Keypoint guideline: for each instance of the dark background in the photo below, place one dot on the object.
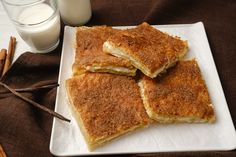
(25, 131)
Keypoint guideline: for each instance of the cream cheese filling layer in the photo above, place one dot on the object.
(118, 52)
(118, 69)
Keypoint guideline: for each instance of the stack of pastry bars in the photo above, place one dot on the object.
(108, 99)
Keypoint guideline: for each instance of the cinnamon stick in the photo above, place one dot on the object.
(33, 89)
(2, 153)
(3, 55)
(10, 54)
(37, 105)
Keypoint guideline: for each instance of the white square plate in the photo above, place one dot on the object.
(66, 138)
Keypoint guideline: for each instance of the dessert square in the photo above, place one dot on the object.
(89, 56)
(147, 48)
(105, 106)
(180, 95)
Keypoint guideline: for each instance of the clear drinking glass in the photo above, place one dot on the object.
(37, 22)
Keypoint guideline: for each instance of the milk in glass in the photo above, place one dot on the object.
(42, 29)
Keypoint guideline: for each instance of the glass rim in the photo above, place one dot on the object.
(55, 11)
(26, 4)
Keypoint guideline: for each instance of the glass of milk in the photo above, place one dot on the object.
(37, 22)
(75, 12)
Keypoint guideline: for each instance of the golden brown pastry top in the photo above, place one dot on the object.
(89, 41)
(179, 92)
(108, 104)
(149, 46)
